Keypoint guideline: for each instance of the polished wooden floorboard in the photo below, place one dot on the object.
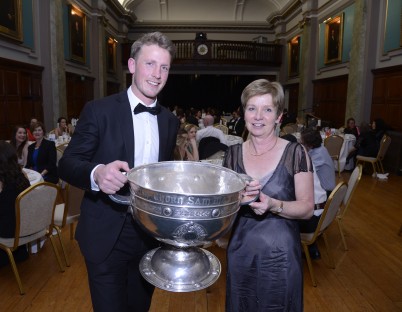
(367, 277)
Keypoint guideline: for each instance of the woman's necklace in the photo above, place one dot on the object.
(276, 140)
(37, 144)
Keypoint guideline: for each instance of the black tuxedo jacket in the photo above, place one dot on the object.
(104, 133)
(47, 158)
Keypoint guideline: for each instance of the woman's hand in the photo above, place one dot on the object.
(251, 192)
(262, 206)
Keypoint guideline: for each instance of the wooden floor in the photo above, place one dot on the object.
(368, 277)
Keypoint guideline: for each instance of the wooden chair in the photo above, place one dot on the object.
(352, 185)
(62, 147)
(224, 129)
(34, 219)
(334, 144)
(327, 217)
(68, 213)
(376, 162)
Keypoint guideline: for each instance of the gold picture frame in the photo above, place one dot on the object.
(294, 56)
(333, 39)
(77, 29)
(111, 44)
(11, 19)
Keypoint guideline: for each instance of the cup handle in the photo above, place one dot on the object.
(247, 178)
(252, 200)
(120, 199)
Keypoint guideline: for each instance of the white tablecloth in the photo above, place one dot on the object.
(62, 140)
(348, 143)
(33, 176)
(233, 139)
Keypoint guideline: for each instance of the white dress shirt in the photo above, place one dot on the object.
(146, 134)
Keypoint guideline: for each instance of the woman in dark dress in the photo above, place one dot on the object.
(12, 183)
(264, 253)
(351, 127)
(42, 155)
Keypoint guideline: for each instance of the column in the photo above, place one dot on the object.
(356, 80)
(57, 70)
(308, 59)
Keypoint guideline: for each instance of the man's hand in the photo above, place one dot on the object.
(110, 178)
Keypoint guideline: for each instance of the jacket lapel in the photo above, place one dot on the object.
(163, 130)
(126, 126)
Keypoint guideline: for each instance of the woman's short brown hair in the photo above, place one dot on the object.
(37, 125)
(262, 87)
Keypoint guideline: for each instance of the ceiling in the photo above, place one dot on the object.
(231, 12)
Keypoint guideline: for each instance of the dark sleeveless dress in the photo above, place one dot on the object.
(264, 253)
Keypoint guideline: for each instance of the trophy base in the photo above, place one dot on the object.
(180, 269)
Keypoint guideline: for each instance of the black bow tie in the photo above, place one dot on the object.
(141, 108)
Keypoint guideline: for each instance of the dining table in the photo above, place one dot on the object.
(33, 176)
(349, 141)
(233, 139)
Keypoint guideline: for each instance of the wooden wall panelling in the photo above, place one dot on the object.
(329, 101)
(387, 96)
(80, 90)
(31, 96)
(20, 94)
(293, 106)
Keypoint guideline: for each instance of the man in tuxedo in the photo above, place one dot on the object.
(114, 134)
(236, 124)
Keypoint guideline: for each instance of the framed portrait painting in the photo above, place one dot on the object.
(111, 54)
(77, 28)
(333, 39)
(294, 56)
(11, 19)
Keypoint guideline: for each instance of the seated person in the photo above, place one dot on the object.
(192, 116)
(366, 144)
(210, 130)
(186, 146)
(29, 129)
(287, 118)
(20, 142)
(379, 128)
(351, 128)
(324, 181)
(62, 127)
(42, 155)
(12, 183)
(236, 124)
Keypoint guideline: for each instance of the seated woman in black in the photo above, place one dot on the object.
(379, 128)
(367, 143)
(12, 183)
(42, 155)
(351, 127)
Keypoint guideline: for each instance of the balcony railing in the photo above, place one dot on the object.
(222, 52)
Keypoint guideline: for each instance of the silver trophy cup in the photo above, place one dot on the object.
(184, 205)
